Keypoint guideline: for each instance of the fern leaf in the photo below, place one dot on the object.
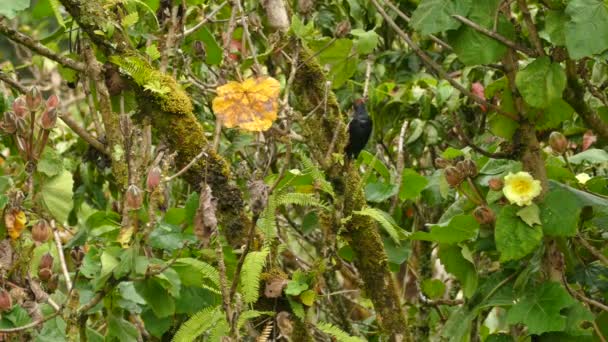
(317, 175)
(337, 333)
(198, 324)
(207, 271)
(251, 314)
(265, 334)
(267, 222)
(152, 52)
(297, 308)
(55, 5)
(386, 222)
(220, 330)
(250, 275)
(136, 68)
(130, 19)
(307, 200)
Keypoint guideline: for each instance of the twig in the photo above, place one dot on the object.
(583, 298)
(494, 35)
(601, 257)
(407, 20)
(37, 47)
(226, 298)
(64, 266)
(368, 75)
(81, 132)
(436, 67)
(200, 24)
(523, 6)
(247, 36)
(30, 325)
(12, 83)
(400, 162)
(182, 171)
(465, 139)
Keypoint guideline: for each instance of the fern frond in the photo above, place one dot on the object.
(307, 200)
(152, 52)
(265, 334)
(251, 314)
(337, 333)
(220, 330)
(207, 271)
(250, 274)
(297, 308)
(136, 68)
(318, 176)
(386, 222)
(130, 19)
(267, 222)
(198, 324)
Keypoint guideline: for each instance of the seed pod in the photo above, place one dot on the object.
(20, 107)
(77, 254)
(9, 123)
(45, 274)
(52, 284)
(48, 118)
(453, 175)
(484, 215)
(558, 142)
(442, 163)
(153, 179)
(496, 184)
(33, 98)
(305, 6)
(134, 197)
(52, 102)
(46, 261)
(41, 231)
(470, 168)
(342, 29)
(6, 302)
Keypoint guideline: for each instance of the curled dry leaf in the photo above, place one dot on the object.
(205, 221)
(14, 220)
(251, 105)
(258, 192)
(274, 287)
(284, 323)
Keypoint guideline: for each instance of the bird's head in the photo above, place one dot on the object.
(360, 110)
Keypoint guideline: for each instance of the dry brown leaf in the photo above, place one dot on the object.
(250, 105)
(14, 220)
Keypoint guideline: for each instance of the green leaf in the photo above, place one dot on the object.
(213, 50)
(451, 153)
(308, 297)
(298, 283)
(167, 236)
(152, 52)
(541, 82)
(338, 56)
(121, 330)
(473, 47)
(198, 324)
(591, 156)
(514, 238)
(52, 331)
(587, 30)
(56, 195)
(157, 297)
(250, 275)
(412, 184)
(10, 8)
(337, 333)
(193, 272)
(386, 222)
(378, 192)
(434, 16)
(433, 288)
(460, 228)
(154, 325)
(554, 115)
(130, 19)
(452, 258)
(366, 41)
(560, 212)
(51, 164)
(540, 308)
(530, 215)
(576, 316)
(555, 30)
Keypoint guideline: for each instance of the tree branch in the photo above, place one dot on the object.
(523, 6)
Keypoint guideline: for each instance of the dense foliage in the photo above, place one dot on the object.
(176, 170)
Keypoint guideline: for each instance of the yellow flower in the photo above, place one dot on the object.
(521, 188)
(583, 178)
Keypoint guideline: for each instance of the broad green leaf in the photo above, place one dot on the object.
(412, 184)
(455, 263)
(51, 164)
(366, 41)
(298, 284)
(592, 156)
(530, 215)
(375, 163)
(338, 56)
(308, 297)
(379, 191)
(541, 82)
(451, 153)
(459, 228)
(434, 16)
(540, 307)
(557, 112)
(514, 238)
(167, 236)
(433, 288)
(213, 51)
(121, 330)
(576, 316)
(386, 222)
(473, 47)
(554, 31)
(154, 325)
(157, 297)
(10, 8)
(56, 195)
(559, 213)
(52, 331)
(587, 30)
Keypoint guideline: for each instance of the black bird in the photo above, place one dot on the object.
(359, 130)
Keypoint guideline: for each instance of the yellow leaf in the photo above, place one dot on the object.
(15, 220)
(125, 235)
(250, 105)
(308, 297)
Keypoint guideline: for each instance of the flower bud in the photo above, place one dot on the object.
(45, 274)
(19, 107)
(153, 179)
(9, 123)
(77, 254)
(33, 98)
(6, 302)
(484, 215)
(470, 168)
(48, 118)
(134, 197)
(52, 102)
(496, 184)
(558, 142)
(52, 284)
(46, 261)
(41, 231)
(453, 175)
(441, 163)
(342, 29)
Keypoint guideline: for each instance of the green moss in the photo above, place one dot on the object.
(176, 101)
